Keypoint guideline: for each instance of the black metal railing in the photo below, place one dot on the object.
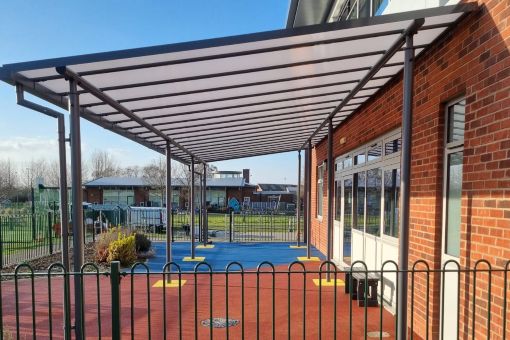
(248, 226)
(23, 237)
(269, 302)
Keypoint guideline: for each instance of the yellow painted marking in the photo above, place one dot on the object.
(207, 246)
(196, 259)
(312, 258)
(297, 247)
(328, 283)
(168, 284)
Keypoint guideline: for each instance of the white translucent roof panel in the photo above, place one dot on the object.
(237, 96)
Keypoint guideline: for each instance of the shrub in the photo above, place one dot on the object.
(123, 250)
(142, 243)
(104, 241)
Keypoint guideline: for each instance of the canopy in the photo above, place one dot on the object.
(237, 96)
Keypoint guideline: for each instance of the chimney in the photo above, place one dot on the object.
(246, 175)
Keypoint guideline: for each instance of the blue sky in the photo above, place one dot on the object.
(31, 30)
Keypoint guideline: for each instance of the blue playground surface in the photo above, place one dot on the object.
(248, 254)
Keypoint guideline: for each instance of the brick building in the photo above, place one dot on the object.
(460, 172)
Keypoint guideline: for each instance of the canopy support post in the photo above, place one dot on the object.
(168, 192)
(405, 181)
(192, 207)
(64, 216)
(298, 201)
(331, 189)
(309, 200)
(204, 207)
(77, 202)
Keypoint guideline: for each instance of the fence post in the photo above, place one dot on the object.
(172, 224)
(50, 236)
(115, 291)
(33, 214)
(1, 244)
(231, 226)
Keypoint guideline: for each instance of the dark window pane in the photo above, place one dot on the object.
(453, 209)
(364, 9)
(358, 222)
(392, 146)
(375, 6)
(373, 190)
(456, 121)
(391, 202)
(347, 162)
(347, 219)
(338, 197)
(360, 159)
(320, 188)
(374, 152)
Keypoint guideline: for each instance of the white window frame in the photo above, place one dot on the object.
(384, 162)
(320, 181)
(449, 148)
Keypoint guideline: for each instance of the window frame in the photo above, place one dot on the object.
(384, 162)
(449, 148)
(320, 182)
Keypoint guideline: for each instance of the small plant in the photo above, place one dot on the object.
(123, 250)
(142, 243)
(104, 241)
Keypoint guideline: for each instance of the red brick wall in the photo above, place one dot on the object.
(141, 195)
(93, 195)
(472, 61)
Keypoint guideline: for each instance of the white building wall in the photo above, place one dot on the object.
(397, 6)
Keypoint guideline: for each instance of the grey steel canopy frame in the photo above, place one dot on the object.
(240, 96)
(237, 96)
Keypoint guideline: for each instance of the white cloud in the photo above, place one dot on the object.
(21, 149)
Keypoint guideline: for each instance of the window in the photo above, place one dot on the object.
(338, 200)
(370, 195)
(113, 196)
(320, 188)
(373, 188)
(391, 201)
(347, 162)
(392, 146)
(454, 146)
(374, 152)
(360, 158)
(358, 222)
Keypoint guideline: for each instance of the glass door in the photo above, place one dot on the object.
(347, 218)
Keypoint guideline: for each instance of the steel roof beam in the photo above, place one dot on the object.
(253, 129)
(250, 152)
(244, 122)
(61, 101)
(251, 137)
(236, 86)
(236, 116)
(397, 45)
(244, 71)
(268, 93)
(159, 107)
(247, 142)
(178, 114)
(83, 83)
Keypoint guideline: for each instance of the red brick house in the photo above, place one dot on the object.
(460, 173)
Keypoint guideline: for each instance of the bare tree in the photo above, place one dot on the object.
(8, 179)
(155, 175)
(33, 171)
(103, 164)
(131, 171)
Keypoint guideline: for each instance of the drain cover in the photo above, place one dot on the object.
(220, 322)
(378, 334)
